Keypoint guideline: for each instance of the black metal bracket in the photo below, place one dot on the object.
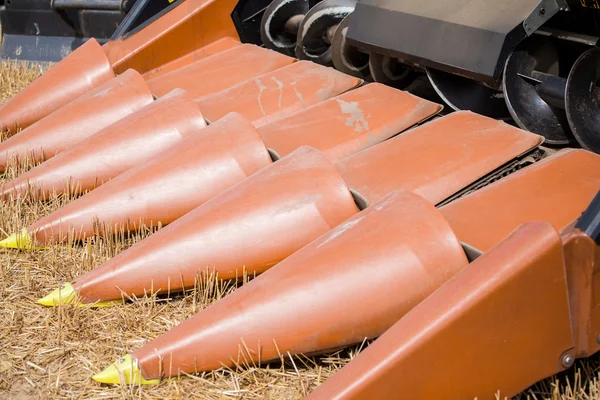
(589, 222)
(542, 13)
(246, 17)
(141, 14)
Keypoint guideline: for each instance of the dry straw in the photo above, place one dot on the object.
(51, 353)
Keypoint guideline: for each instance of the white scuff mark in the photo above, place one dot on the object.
(298, 94)
(383, 203)
(341, 229)
(261, 88)
(102, 93)
(356, 116)
(18, 50)
(280, 87)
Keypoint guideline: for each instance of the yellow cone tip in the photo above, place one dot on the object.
(125, 370)
(65, 294)
(21, 240)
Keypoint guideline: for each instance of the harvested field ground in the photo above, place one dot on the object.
(51, 353)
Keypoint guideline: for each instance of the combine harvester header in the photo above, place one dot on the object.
(297, 142)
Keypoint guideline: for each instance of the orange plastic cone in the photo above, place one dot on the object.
(552, 187)
(81, 71)
(348, 285)
(108, 153)
(356, 281)
(279, 93)
(220, 71)
(268, 216)
(180, 193)
(79, 119)
(128, 142)
(506, 315)
(211, 49)
(256, 224)
(163, 189)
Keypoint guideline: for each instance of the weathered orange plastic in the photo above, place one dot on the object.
(166, 187)
(228, 234)
(461, 145)
(128, 142)
(220, 71)
(345, 287)
(79, 119)
(505, 316)
(90, 163)
(107, 204)
(197, 55)
(350, 284)
(348, 123)
(190, 25)
(81, 71)
(253, 225)
(278, 93)
(559, 185)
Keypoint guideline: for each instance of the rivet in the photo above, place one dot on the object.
(568, 360)
(598, 339)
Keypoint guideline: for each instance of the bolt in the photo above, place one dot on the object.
(568, 360)
(542, 11)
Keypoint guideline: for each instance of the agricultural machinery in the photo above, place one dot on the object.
(425, 174)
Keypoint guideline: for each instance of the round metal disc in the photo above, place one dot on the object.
(273, 30)
(583, 100)
(346, 58)
(529, 110)
(312, 42)
(390, 72)
(465, 94)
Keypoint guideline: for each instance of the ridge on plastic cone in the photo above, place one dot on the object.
(20, 240)
(125, 370)
(66, 294)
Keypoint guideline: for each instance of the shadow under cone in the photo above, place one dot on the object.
(211, 162)
(220, 71)
(78, 120)
(233, 232)
(131, 141)
(81, 71)
(351, 284)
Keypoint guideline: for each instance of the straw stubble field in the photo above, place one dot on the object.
(51, 353)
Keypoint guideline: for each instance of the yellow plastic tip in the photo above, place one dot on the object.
(66, 294)
(21, 240)
(125, 370)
